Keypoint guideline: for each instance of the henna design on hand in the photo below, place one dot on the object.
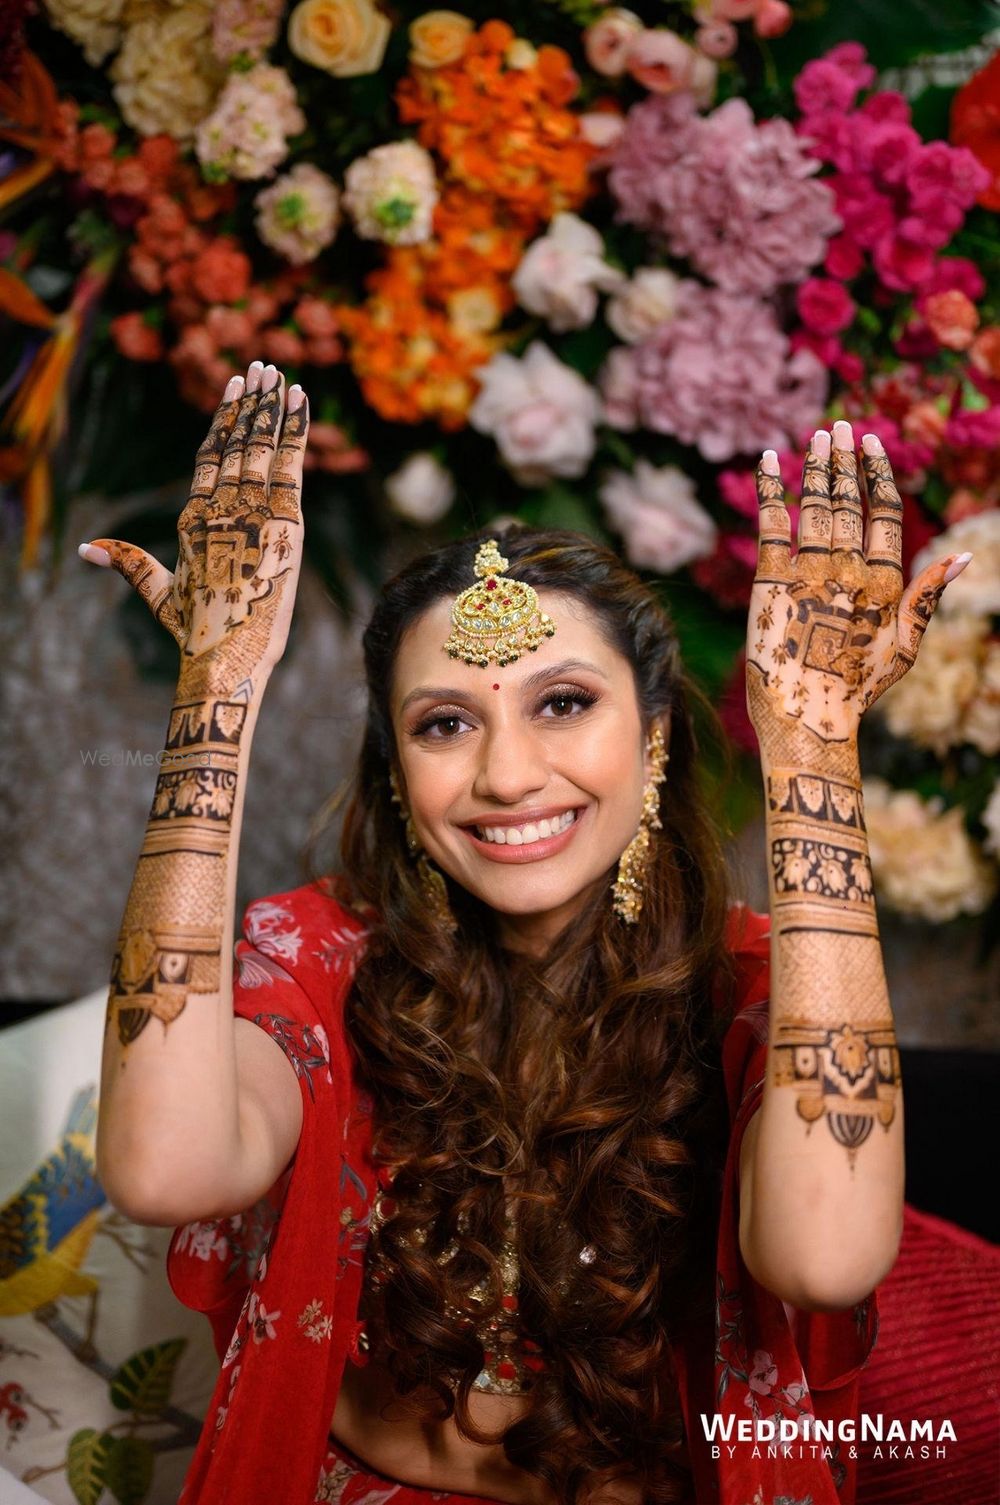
(228, 605)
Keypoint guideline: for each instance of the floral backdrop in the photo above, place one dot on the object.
(558, 260)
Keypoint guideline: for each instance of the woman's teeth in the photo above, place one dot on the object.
(516, 836)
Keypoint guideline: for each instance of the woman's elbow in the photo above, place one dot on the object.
(829, 1279)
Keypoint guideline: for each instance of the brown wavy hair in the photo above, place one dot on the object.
(617, 1142)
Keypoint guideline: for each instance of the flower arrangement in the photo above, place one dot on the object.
(579, 264)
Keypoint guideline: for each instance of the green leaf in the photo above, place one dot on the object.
(129, 1472)
(86, 1464)
(143, 1382)
(893, 32)
(559, 506)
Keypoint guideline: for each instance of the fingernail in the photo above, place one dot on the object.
(956, 567)
(270, 379)
(234, 388)
(843, 435)
(769, 463)
(295, 396)
(872, 444)
(254, 371)
(95, 555)
(821, 444)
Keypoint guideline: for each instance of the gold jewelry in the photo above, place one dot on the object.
(495, 619)
(628, 886)
(432, 884)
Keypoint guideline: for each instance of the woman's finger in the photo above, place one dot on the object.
(147, 576)
(884, 543)
(231, 465)
(815, 516)
(286, 472)
(847, 537)
(920, 600)
(209, 457)
(262, 440)
(774, 539)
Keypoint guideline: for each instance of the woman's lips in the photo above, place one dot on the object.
(533, 851)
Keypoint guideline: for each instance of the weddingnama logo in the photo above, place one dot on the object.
(816, 1437)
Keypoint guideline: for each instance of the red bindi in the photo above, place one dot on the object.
(496, 687)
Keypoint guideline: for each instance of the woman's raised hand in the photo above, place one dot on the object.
(831, 628)
(229, 601)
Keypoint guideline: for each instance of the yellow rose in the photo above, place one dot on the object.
(438, 37)
(343, 37)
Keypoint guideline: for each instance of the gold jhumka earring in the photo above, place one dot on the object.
(432, 884)
(634, 861)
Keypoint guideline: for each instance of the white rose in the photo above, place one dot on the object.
(977, 589)
(658, 516)
(929, 704)
(991, 820)
(923, 860)
(982, 718)
(421, 489)
(645, 302)
(540, 412)
(166, 76)
(560, 273)
(390, 193)
(93, 24)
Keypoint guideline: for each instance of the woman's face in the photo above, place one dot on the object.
(488, 755)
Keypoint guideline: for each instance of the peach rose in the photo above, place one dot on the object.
(438, 37)
(343, 37)
(952, 318)
(661, 61)
(984, 353)
(608, 40)
(136, 339)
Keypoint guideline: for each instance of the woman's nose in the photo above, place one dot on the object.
(512, 764)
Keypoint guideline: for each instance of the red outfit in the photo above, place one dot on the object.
(281, 1283)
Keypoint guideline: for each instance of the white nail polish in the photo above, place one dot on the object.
(872, 444)
(843, 435)
(234, 389)
(956, 567)
(296, 397)
(254, 373)
(821, 444)
(769, 463)
(94, 555)
(269, 380)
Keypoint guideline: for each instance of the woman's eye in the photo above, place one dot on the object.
(451, 722)
(563, 699)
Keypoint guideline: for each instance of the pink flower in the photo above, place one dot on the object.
(824, 306)
(737, 198)
(956, 272)
(822, 86)
(136, 340)
(658, 516)
(244, 27)
(773, 18)
(282, 346)
(561, 272)
(660, 61)
(719, 374)
(900, 264)
(951, 317)
(727, 575)
(970, 430)
(298, 215)
(221, 272)
(763, 1373)
(607, 41)
(231, 328)
(843, 258)
(315, 317)
(540, 412)
(717, 39)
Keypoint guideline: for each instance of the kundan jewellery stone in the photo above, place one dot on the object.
(497, 618)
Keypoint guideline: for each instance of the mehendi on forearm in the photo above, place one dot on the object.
(236, 539)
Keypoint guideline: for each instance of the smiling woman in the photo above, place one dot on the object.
(522, 1174)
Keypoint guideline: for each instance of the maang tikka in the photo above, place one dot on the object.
(493, 621)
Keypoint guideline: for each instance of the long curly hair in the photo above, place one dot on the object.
(618, 1139)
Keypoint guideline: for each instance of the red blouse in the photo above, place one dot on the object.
(281, 1283)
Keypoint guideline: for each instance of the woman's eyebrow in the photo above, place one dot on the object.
(553, 671)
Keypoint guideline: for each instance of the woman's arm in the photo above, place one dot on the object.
(821, 1182)
(194, 1114)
